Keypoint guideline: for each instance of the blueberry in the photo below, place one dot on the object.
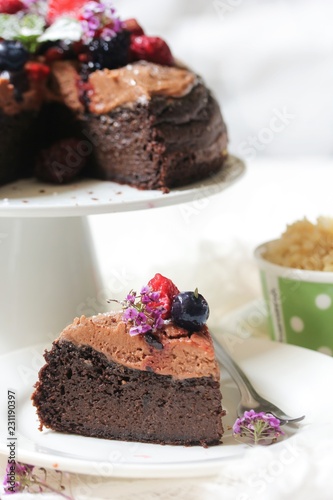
(190, 310)
(13, 55)
(110, 54)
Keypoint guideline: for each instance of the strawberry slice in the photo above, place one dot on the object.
(167, 290)
(59, 8)
(10, 6)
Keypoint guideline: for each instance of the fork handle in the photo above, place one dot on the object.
(249, 395)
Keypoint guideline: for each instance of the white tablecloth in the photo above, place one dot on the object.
(209, 243)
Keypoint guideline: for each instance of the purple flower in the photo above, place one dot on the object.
(117, 24)
(108, 33)
(92, 8)
(259, 427)
(141, 318)
(130, 314)
(140, 329)
(16, 476)
(131, 297)
(142, 312)
(274, 422)
(154, 296)
(99, 17)
(145, 299)
(23, 469)
(158, 323)
(28, 478)
(236, 428)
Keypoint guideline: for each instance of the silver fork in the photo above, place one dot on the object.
(250, 399)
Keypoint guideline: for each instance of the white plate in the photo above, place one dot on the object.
(286, 374)
(29, 198)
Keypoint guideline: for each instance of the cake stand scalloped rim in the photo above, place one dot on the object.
(30, 198)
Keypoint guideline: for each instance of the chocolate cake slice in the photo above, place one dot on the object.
(101, 379)
(164, 131)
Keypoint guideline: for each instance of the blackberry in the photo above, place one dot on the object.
(13, 55)
(109, 54)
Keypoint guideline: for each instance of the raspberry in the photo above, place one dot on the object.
(53, 54)
(59, 8)
(167, 291)
(61, 162)
(10, 6)
(133, 27)
(151, 48)
(37, 71)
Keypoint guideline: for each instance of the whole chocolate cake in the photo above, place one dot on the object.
(83, 93)
(148, 374)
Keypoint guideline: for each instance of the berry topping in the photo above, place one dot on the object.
(53, 54)
(133, 27)
(10, 6)
(59, 8)
(61, 162)
(190, 310)
(153, 341)
(151, 48)
(13, 55)
(110, 54)
(37, 71)
(167, 291)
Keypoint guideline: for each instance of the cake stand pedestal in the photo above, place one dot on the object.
(48, 273)
(48, 269)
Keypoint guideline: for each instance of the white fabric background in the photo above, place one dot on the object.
(257, 56)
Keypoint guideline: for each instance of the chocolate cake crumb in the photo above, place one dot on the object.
(107, 400)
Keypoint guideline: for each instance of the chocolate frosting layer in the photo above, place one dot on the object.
(136, 82)
(31, 99)
(63, 85)
(183, 355)
(166, 142)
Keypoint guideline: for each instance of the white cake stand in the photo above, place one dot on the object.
(48, 270)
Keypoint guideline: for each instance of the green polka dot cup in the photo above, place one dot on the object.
(299, 304)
